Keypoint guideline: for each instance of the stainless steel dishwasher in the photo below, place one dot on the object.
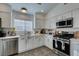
(9, 46)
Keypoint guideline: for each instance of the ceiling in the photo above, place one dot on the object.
(34, 7)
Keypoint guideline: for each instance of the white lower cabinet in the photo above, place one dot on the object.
(49, 41)
(36, 41)
(1, 48)
(22, 44)
(26, 44)
(29, 43)
(74, 49)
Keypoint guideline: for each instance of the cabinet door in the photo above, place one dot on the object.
(67, 15)
(67, 48)
(34, 42)
(50, 23)
(39, 20)
(5, 19)
(49, 41)
(22, 44)
(41, 40)
(30, 44)
(1, 47)
(38, 41)
(59, 18)
(74, 47)
(78, 51)
(46, 40)
(76, 18)
(40, 23)
(47, 25)
(74, 50)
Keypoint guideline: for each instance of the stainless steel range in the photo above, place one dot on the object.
(62, 43)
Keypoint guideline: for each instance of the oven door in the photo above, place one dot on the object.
(67, 48)
(54, 44)
(59, 45)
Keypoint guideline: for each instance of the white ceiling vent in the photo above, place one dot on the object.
(39, 3)
(65, 3)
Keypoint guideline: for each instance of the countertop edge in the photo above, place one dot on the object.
(8, 37)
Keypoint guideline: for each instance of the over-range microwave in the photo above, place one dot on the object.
(70, 22)
(65, 23)
(61, 24)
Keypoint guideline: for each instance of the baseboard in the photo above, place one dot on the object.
(21, 51)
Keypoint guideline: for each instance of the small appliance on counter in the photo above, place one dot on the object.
(11, 32)
(7, 32)
(2, 34)
(42, 31)
(50, 31)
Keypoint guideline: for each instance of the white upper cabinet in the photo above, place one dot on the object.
(47, 24)
(51, 23)
(59, 18)
(5, 15)
(49, 41)
(67, 15)
(5, 19)
(76, 18)
(74, 14)
(39, 21)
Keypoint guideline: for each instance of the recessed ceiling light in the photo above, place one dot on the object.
(42, 10)
(24, 10)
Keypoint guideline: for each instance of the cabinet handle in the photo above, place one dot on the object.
(22, 39)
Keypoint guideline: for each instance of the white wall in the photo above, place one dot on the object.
(63, 11)
(5, 14)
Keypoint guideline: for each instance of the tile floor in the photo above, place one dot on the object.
(41, 51)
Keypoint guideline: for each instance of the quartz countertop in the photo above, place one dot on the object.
(8, 37)
(74, 41)
(36, 34)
